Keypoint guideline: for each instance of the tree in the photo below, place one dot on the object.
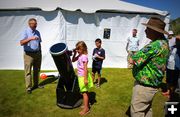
(175, 26)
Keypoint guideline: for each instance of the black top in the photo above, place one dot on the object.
(97, 63)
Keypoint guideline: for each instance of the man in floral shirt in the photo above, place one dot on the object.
(149, 67)
(150, 63)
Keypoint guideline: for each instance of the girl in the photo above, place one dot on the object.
(84, 78)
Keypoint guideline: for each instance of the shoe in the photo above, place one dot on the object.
(29, 91)
(97, 85)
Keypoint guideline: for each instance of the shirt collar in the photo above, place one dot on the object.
(31, 30)
(99, 48)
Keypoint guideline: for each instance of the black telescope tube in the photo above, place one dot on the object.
(67, 91)
(63, 63)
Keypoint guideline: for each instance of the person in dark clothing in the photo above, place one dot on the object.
(98, 57)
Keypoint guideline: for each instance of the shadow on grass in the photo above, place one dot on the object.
(128, 112)
(103, 80)
(48, 81)
(92, 98)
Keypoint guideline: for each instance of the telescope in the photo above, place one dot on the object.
(67, 91)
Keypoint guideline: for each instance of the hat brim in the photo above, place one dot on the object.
(156, 29)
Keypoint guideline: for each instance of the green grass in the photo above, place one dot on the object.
(113, 98)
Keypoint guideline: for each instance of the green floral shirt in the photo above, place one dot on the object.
(150, 63)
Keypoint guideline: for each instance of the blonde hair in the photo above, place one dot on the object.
(82, 45)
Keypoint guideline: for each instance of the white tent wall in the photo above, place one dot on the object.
(13, 23)
(70, 27)
(88, 27)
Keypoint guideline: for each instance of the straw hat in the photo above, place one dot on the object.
(156, 24)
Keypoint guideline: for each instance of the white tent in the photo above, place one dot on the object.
(70, 21)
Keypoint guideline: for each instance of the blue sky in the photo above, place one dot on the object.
(172, 6)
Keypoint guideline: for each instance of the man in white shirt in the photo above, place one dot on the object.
(173, 66)
(132, 46)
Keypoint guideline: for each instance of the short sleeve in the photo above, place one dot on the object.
(24, 35)
(103, 53)
(84, 58)
(146, 53)
(39, 35)
(172, 42)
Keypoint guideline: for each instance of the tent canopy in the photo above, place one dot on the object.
(70, 21)
(86, 6)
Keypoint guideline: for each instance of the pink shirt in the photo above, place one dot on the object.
(80, 66)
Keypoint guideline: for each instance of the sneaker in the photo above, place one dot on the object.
(29, 91)
(97, 85)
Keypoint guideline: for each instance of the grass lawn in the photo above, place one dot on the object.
(112, 99)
